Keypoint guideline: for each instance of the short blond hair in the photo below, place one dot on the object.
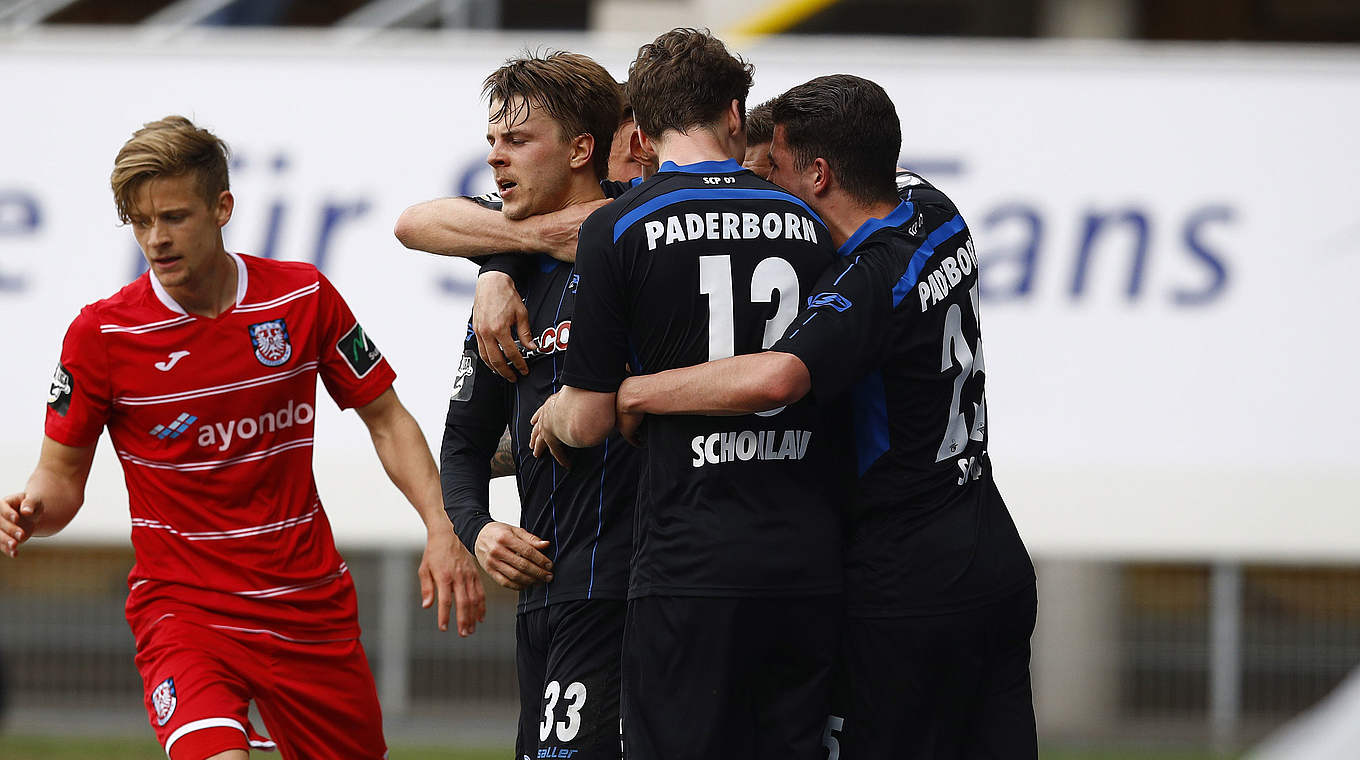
(170, 147)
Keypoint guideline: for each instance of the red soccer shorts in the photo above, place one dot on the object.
(317, 699)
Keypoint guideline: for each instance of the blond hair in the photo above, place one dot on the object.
(170, 147)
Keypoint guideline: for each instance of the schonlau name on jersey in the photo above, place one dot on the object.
(745, 445)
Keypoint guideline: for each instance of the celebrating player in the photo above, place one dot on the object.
(940, 589)
(204, 371)
(759, 133)
(468, 227)
(551, 122)
(734, 594)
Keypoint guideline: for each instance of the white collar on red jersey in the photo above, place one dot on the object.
(173, 305)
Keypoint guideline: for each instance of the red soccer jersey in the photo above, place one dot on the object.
(212, 420)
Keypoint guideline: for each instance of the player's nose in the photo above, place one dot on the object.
(156, 236)
(496, 156)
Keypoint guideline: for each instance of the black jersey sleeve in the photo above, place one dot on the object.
(599, 344)
(842, 333)
(517, 265)
(472, 429)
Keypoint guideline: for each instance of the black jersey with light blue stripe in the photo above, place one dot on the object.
(702, 262)
(586, 512)
(895, 325)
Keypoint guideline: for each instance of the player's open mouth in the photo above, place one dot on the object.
(166, 262)
(505, 185)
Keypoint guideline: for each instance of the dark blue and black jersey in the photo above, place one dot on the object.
(586, 512)
(894, 325)
(702, 262)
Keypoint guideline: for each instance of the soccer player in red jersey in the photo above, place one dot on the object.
(204, 372)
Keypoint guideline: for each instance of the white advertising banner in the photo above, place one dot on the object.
(1165, 234)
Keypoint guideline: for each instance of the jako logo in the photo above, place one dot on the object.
(221, 435)
(173, 430)
(555, 339)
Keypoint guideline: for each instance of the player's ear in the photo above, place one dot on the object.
(646, 143)
(736, 121)
(642, 155)
(226, 202)
(822, 175)
(582, 148)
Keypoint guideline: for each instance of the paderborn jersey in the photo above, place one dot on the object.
(895, 323)
(585, 512)
(702, 262)
(212, 420)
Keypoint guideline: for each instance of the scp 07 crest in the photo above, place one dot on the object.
(270, 340)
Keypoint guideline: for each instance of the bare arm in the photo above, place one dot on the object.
(735, 385)
(446, 567)
(460, 227)
(572, 417)
(50, 499)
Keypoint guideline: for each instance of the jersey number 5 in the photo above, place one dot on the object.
(772, 275)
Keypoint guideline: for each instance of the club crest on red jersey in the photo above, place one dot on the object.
(270, 340)
(164, 700)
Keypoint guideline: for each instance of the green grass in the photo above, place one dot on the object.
(1117, 754)
(48, 748)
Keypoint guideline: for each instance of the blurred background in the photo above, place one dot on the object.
(1162, 193)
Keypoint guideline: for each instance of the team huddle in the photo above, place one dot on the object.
(733, 360)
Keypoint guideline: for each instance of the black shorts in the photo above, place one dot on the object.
(567, 655)
(939, 686)
(708, 678)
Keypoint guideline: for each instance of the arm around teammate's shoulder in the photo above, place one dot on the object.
(454, 227)
(462, 227)
(735, 385)
(50, 499)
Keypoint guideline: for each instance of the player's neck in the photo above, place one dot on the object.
(698, 145)
(584, 187)
(844, 215)
(211, 292)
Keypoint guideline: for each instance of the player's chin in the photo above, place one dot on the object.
(516, 209)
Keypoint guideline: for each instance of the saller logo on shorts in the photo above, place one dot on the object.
(359, 352)
(59, 392)
(270, 340)
(164, 700)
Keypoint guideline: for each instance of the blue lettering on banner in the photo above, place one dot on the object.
(20, 216)
(1015, 255)
(1125, 245)
(331, 216)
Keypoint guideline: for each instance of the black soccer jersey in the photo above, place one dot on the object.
(586, 512)
(895, 324)
(702, 262)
